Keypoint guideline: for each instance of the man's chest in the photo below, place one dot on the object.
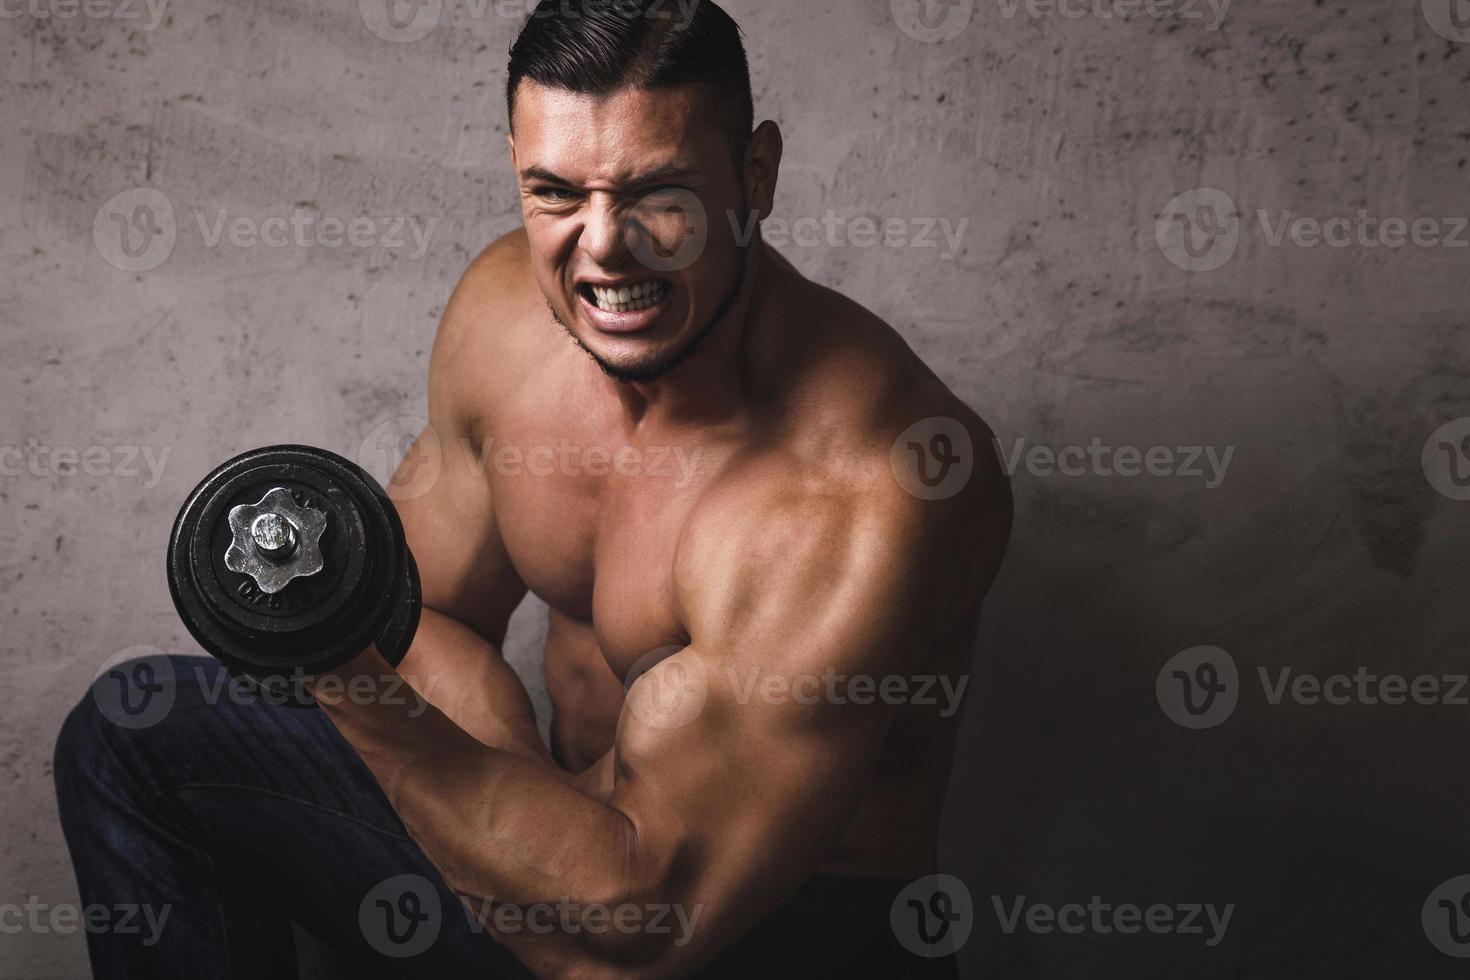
(593, 525)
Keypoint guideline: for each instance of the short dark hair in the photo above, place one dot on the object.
(597, 47)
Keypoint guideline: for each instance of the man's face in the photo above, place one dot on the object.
(627, 201)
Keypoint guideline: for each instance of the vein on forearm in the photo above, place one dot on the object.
(493, 823)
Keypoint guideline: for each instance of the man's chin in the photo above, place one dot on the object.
(635, 369)
(651, 354)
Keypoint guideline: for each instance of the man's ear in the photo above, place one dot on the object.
(510, 140)
(763, 168)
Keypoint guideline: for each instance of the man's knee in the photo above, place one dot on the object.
(127, 707)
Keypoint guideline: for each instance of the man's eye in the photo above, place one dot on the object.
(555, 195)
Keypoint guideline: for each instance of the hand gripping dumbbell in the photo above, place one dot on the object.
(290, 561)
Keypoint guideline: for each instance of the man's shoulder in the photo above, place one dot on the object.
(875, 468)
(868, 410)
(483, 348)
(496, 289)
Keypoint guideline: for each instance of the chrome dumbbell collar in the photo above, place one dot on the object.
(276, 541)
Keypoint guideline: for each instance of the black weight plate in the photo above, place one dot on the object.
(313, 616)
(398, 635)
(289, 690)
(307, 603)
(333, 615)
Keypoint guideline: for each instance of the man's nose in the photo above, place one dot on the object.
(605, 236)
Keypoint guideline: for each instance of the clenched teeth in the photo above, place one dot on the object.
(630, 299)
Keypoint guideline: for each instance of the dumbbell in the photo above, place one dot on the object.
(290, 561)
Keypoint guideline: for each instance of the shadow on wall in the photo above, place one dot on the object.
(1287, 836)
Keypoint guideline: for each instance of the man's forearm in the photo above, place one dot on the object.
(501, 828)
(464, 675)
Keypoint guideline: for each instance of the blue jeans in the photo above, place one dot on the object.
(221, 818)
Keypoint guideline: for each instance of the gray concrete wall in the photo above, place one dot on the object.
(1063, 315)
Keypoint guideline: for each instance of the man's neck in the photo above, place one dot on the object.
(716, 384)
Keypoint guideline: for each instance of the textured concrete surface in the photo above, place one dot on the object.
(1062, 317)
